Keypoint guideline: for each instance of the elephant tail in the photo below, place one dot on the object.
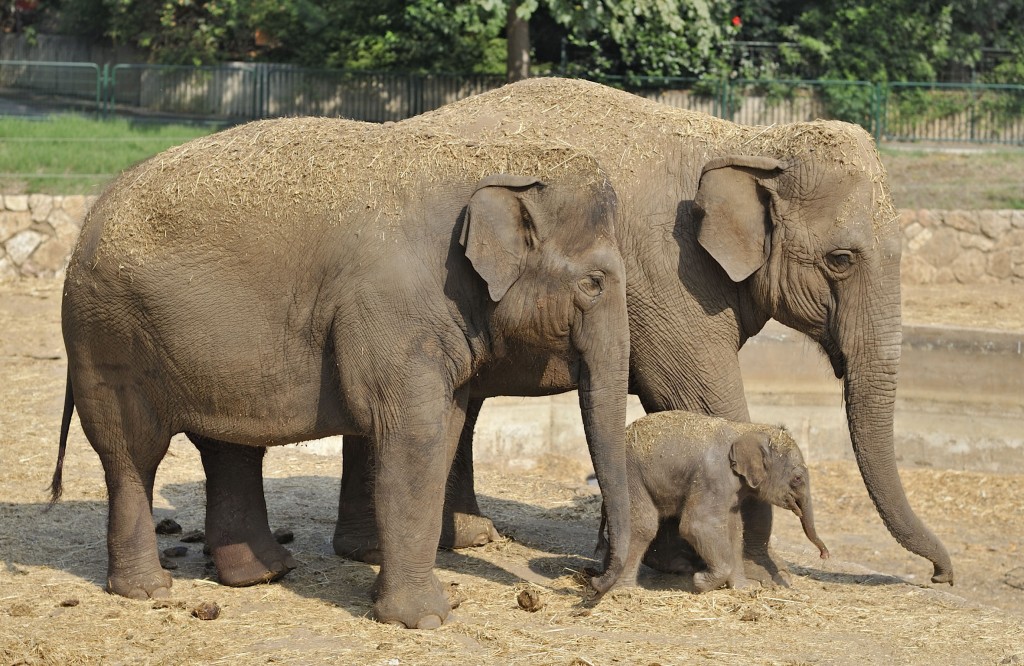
(56, 487)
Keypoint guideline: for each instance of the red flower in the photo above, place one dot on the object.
(736, 21)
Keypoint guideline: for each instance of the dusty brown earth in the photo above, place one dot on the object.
(865, 606)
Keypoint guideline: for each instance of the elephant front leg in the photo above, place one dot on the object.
(355, 532)
(463, 525)
(760, 562)
(237, 531)
(412, 467)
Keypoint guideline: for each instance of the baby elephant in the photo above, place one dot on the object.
(697, 470)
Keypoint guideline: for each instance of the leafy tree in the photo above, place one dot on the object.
(884, 40)
(641, 37)
(418, 36)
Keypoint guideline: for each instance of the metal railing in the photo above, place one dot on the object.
(70, 86)
(967, 112)
(960, 112)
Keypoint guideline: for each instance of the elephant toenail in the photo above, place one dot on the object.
(429, 622)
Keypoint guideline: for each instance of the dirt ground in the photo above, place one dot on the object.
(867, 605)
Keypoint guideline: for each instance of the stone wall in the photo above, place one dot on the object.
(965, 246)
(37, 233)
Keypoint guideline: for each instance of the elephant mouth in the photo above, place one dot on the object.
(835, 356)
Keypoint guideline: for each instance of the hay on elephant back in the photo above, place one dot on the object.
(267, 175)
(697, 430)
(631, 136)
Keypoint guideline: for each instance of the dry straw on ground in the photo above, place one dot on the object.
(836, 612)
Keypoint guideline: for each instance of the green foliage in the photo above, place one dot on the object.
(177, 32)
(877, 40)
(637, 38)
(417, 36)
(884, 40)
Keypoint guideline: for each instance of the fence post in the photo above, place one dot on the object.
(876, 104)
(104, 90)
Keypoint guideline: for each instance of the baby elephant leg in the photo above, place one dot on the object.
(643, 528)
(713, 539)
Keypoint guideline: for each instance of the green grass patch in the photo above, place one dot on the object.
(948, 178)
(70, 154)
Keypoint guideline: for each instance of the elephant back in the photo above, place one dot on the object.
(276, 179)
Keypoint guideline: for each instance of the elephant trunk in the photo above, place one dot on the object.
(806, 514)
(603, 390)
(870, 342)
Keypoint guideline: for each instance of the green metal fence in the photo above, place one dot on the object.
(71, 86)
(953, 112)
(215, 93)
(244, 91)
(375, 97)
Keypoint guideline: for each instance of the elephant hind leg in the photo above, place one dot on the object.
(126, 433)
(237, 530)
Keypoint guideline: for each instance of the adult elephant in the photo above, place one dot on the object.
(291, 279)
(722, 227)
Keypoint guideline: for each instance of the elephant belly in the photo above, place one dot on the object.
(222, 363)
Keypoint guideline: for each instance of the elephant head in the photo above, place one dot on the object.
(774, 469)
(557, 282)
(814, 238)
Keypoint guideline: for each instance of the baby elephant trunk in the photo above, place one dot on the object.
(806, 513)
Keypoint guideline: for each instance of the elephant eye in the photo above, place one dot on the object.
(839, 261)
(797, 481)
(592, 285)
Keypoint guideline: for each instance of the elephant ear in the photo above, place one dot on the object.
(498, 230)
(735, 229)
(748, 457)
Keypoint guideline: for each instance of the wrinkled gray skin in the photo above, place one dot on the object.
(251, 321)
(721, 229)
(695, 471)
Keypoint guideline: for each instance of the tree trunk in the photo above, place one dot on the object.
(518, 35)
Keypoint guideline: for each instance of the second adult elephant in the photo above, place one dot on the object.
(722, 227)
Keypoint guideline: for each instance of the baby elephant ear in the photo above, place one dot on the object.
(498, 230)
(749, 458)
(735, 229)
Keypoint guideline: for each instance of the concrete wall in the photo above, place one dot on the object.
(960, 405)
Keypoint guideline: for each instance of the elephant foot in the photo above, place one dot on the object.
(355, 545)
(425, 607)
(765, 568)
(705, 581)
(149, 585)
(466, 530)
(239, 565)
